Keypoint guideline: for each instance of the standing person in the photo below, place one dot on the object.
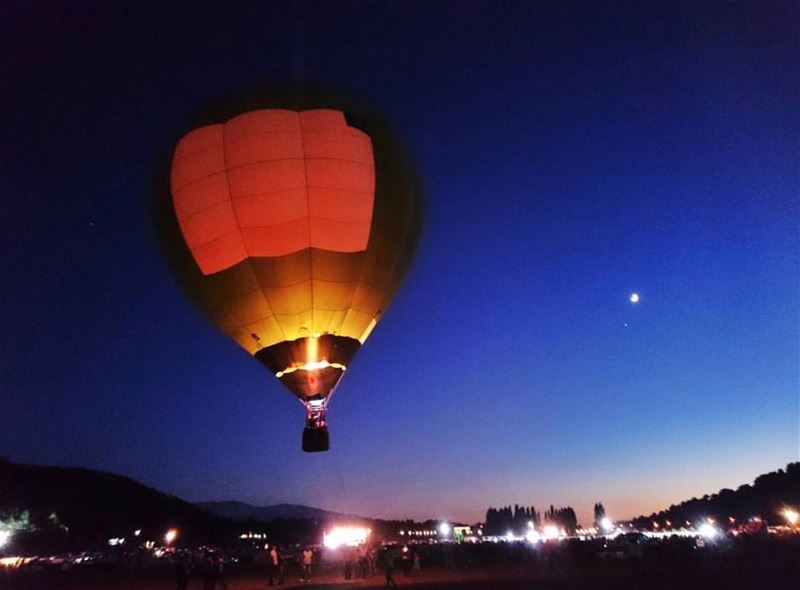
(363, 560)
(181, 573)
(549, 549)
(372, 560)
(348, 563)
(308, 559)
(387, 557)
(417, 561)
(220, 572)
(406, 560)
(275, 566)
(209, 573)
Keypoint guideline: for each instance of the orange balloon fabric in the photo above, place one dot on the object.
(273, 182)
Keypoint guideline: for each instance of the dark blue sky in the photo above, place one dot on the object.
(570, 155)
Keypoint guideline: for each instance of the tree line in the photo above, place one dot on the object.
(766, 499)
(517, 520)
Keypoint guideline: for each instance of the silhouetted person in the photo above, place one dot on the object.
(348, 563)
(275, 566)
(387, 557)
(549, 550)
(406, 560)
(372, 560)
(213, 572)
(181, 574)
(209, 573)
(219, 567)
(308, 560)
(363, 560)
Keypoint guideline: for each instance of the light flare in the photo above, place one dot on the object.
(312, 349)
(14, 562)
(708, 530)
(791, 515)
(550, 531)
(310, 366)
(349, 536)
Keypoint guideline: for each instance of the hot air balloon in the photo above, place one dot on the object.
(296, 227)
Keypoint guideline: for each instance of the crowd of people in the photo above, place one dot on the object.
(275, 565)
(360, 561)
(211, 569)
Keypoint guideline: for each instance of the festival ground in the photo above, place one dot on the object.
(757, 569)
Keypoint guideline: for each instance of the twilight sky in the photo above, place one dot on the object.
(570, 154)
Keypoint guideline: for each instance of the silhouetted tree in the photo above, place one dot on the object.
(563, 518)
(599, 514)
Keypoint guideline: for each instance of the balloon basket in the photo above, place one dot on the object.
(316, 440)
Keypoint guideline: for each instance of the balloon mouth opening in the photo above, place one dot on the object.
(316, 440)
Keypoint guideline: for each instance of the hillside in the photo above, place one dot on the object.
(74, 508)
(766, 498)
(85, 507)
(243, 511)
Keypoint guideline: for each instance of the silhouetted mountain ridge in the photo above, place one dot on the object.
(244, 511)
(71, 508)
(90, 506)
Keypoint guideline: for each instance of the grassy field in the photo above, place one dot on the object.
(773, 575)
(770, 566)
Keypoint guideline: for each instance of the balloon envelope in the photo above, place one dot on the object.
(300, 226)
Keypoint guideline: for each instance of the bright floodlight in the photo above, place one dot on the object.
(607, 524)
(708, 530)
(4, 537)
(550, 531)
(444, 529)
(170, 536)
(349, 536)
(532, 536)
(634, 298)
(791, 516)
